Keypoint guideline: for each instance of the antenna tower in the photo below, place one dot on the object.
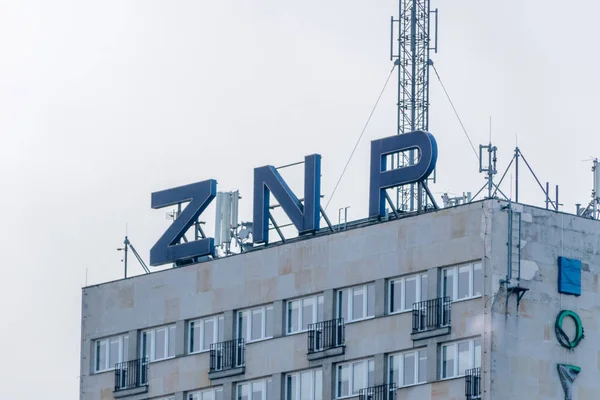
(593, 209)
(412, 61)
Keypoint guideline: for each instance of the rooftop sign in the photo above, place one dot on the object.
(305, 216)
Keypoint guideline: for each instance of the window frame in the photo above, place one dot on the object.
(122, 351)
(455, 271)
(350, 302)
(416, 352)
(402, 280)
(199, 393)
(263, 381)
(169, 329)
(249, 312)
(472, 363)
(318, 301)
(366, 362)
(298, 375)
(219, 336)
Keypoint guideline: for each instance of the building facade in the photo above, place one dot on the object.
(421, 307)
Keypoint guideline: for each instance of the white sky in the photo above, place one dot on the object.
(102, 103)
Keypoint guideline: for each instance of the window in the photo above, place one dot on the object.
(353, 376)
(356, 303)
(306, 385)
(460, 356)
(109, 352)
(463, 281)
(158, 343)
(204, 332)
(209, 394)
(257, 390)
(408, 368)
(404, 292)
(255, 324)
(303, 312)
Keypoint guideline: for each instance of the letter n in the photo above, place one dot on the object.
(305, 217)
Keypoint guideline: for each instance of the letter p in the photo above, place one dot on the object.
(382, 179)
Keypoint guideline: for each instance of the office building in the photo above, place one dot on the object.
(456, 303)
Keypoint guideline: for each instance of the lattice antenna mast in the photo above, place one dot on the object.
(412, 60)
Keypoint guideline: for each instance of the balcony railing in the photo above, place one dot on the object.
(381, 392)
(131, 374)
(227, 355)
(473, 383)
(326, 335)
(431, 314)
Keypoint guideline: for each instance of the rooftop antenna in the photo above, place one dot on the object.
(226, 219)
(490, 168)
(128, 246)
(414, 43)
(593, 208)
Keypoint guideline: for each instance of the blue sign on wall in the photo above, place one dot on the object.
(569, 276)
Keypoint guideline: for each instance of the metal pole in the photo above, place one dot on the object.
(126, 243)
(510, 244)
(277, 228)
(428, 193)
(346, 217)
(389, 200)
(516, 174)
(178, 214)
(503, 175)
(290, 165)
(419, 197)
(546, 193)
(556, 197)
(327, 219)
(436, 30)
(595, 199)
(400, 70)
(392, 38)
(477, 194)
(536, 179)
(490, 172)
(519, 247)
(413, 100)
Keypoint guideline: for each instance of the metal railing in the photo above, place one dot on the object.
(473, 383)
(227, 355)
(326, 335)
(131, 374)
(380, 392)
(431, 314)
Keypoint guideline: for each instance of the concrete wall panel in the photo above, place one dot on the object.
(279, 272)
